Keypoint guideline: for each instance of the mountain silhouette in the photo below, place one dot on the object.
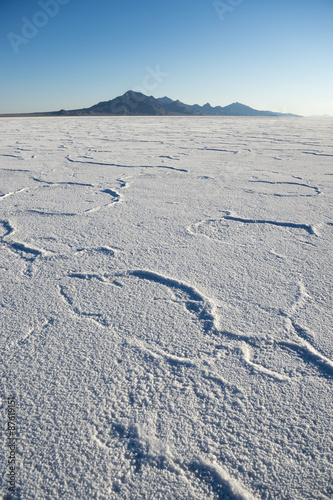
(137, 104)
(134, 104)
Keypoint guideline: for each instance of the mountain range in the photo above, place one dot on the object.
(137, 104)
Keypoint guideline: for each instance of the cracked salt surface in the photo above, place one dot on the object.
(167, 334)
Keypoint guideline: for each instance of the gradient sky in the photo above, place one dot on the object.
(268, 54)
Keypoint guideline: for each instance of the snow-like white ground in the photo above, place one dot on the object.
(166, 310)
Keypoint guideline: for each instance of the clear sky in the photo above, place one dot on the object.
(268, 54)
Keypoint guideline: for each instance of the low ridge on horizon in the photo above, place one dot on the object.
(133, 103)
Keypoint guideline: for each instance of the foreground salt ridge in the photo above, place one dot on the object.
(306, 227)
(74, 274)
(284, 183)
(125, 166)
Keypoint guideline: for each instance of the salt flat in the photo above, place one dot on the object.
(166, 307)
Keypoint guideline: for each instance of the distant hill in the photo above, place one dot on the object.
(235, 109)
(138, 104)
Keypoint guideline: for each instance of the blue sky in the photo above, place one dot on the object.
(268, 54)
